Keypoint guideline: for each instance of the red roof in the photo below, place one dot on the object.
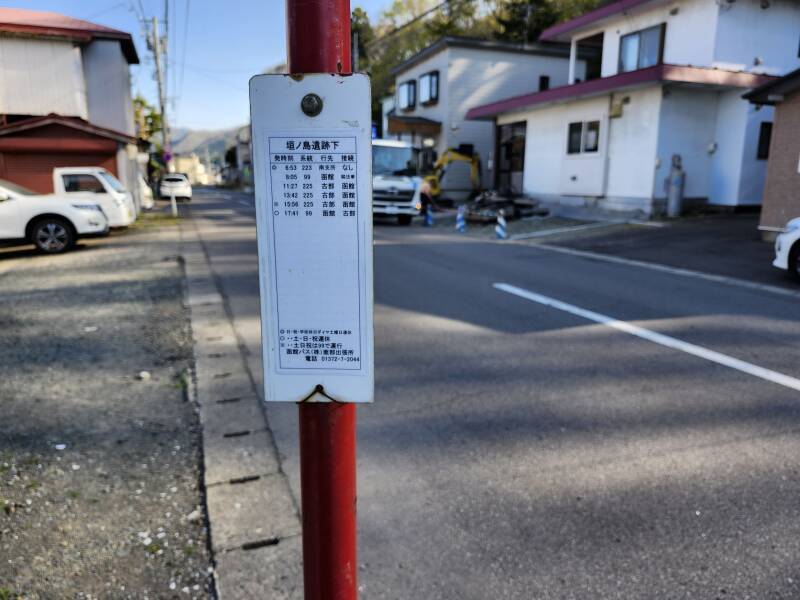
(631, 79)
(71, 122)
(50, 24)
(620, 6)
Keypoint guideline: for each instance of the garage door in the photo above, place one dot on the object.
(35, 171)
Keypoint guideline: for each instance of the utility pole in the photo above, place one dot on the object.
(318, 41)
(157, 45)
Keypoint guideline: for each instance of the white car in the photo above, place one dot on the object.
(787, 248)
(175, 184)
(98, 185)
(51, 222)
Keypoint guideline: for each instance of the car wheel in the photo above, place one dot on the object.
(794, 261)
(52, 235)
(404, 219)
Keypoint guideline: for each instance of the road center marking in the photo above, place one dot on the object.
(657, 338)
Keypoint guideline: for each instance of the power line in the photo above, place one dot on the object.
(138, 10)
(406, 25)
(108, 9)
(185, 49)
(252, 71)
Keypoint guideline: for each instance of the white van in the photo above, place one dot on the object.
(101, 186)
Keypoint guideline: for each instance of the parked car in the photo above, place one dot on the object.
(101, 186)
(145, 193)
(787, 249)
(175, 184)
(51, 222)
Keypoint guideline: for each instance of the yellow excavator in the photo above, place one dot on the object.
(433, 181)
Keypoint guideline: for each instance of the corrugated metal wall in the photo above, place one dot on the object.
(39, 77)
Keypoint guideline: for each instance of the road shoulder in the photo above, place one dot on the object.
(254, 521)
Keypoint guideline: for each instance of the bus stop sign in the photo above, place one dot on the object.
(313, 179)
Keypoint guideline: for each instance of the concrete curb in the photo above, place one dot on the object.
(254, 522)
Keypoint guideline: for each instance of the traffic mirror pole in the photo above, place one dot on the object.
(318, 41)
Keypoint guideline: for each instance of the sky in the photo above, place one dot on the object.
(215, 47)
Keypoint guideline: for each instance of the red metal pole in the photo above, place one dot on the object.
(318, 36)
(318, 41)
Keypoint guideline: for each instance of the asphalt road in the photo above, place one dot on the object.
(520, 449)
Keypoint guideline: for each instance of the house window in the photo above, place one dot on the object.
(641, 49)
(583, 137)
(591, 136)
(544, 82)
(407, 95)
(429, 88)
(83, 183)
(764, 138)
(574, 138)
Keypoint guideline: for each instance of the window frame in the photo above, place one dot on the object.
(570, 149)
(583, 147)
(764, 140)
(433, 98)
(410, 85)
(544, 83)
(662, 28)
(100, 189)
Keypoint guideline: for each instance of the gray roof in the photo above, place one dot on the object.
(452, 41)
(773, 92)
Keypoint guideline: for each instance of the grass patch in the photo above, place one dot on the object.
(74, 494)
(153, 548)
(153, 220)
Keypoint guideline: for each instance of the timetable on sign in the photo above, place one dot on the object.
(314, 190)
(312, 166)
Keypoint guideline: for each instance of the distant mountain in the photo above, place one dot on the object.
(186, 141)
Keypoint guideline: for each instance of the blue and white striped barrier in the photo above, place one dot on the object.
(500, 228)
(429, 216)
(461, 220)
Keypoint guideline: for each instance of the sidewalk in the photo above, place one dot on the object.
(100, 484)
(726, 245)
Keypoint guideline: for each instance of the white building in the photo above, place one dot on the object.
(65, 97)
(437, 86)
(670, 81)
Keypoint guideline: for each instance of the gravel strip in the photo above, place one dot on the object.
(100, 493)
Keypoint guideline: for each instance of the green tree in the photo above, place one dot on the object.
(360, 26)
(524, 20)
(146, 117)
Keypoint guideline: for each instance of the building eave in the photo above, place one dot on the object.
(72, 122)
(443, 43)
(562, 32)
(413, 124)
(772, 92)
(664, 73)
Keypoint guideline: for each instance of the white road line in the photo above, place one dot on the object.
(244, 203)
(546, 232)
(657, 338)
(743, 283)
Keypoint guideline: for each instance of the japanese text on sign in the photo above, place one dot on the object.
(314, 227)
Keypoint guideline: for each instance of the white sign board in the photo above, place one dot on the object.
(313, 180)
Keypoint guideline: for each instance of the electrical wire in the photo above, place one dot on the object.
(416, 19)
(183, 59)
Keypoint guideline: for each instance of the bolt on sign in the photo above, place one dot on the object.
(312, 159)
